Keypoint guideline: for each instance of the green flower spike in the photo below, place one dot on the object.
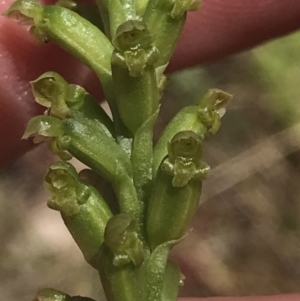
(204, 119)
(121, 236)
(83, 209)
(177, 189)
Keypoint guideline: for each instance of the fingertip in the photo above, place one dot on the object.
(221, 28)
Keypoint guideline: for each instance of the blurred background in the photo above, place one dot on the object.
(246, 233)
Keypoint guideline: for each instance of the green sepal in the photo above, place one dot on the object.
(50, 90)
(212, 107)
(204, 119)
(182, 6)
(216, 99)
(154, 271)
(83, 209)
(122, 237)
(166, 29)
(42, 128)
(50, 294)
(27, 12)
(142, 157)
(171, 282)
(137, 97)
(122, 283)
(170, 208)
(120, 11)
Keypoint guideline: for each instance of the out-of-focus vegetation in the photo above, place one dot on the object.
(246, 234)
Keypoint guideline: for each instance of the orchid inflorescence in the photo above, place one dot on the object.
(125, 235)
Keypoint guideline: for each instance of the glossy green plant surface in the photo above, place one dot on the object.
(127, 234)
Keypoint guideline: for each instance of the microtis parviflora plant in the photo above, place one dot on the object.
(125, 235)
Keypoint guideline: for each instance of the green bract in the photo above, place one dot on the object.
(135, 201)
